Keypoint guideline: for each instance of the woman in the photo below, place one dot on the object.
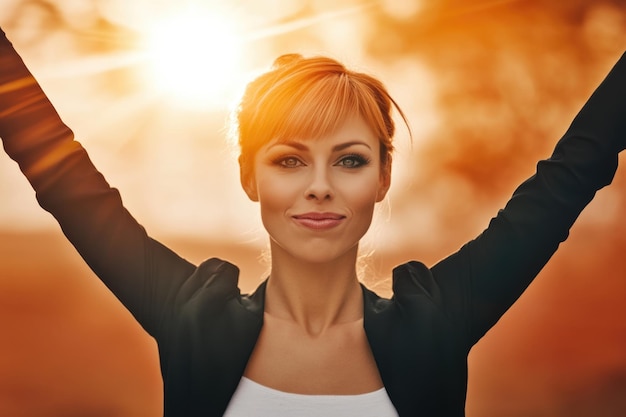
(316, 154)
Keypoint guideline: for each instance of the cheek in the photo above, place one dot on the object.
(364, 202)
(275, 194)
(361, 194)
(276, 198)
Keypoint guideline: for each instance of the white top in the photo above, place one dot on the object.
(254, 399)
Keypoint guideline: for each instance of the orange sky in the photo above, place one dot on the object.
(488, 89)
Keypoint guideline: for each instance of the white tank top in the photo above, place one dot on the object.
(254, 399)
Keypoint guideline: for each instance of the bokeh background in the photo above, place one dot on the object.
(488, 87)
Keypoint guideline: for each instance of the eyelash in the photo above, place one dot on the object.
(281, 161)
(359, 161)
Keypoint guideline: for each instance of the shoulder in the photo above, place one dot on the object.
(411, 280)
(214, 279)
(421, 294)
(214, 286)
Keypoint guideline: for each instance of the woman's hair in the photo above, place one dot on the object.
(308, 98)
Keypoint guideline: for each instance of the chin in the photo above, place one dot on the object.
(320, 253)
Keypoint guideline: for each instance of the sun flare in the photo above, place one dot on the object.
(195, 57)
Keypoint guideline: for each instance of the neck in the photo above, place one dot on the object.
(315, 296)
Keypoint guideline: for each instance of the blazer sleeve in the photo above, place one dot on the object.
(142, 273)
(485, 277)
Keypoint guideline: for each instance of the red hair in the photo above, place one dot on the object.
(308, 98)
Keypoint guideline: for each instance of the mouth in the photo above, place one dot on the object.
(319, 221)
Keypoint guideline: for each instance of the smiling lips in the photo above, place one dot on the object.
(319, 221)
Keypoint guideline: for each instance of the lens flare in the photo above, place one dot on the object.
(194, 57)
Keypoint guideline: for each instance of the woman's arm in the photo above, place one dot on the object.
(495, 268)
(142, 273)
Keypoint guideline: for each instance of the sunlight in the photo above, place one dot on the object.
(195, 57)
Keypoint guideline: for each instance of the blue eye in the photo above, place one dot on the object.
(353, 161)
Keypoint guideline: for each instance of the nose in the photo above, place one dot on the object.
(319, 187)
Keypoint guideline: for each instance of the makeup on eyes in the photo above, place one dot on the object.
(293, 157)
(290, 161)
(361, 160)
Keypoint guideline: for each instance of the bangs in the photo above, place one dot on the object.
(307, 99)
(320, 109)
(313, 107)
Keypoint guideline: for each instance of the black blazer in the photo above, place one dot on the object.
(206, 330)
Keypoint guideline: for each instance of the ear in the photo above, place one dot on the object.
(246, 177)
(249, 186)
(385, 181)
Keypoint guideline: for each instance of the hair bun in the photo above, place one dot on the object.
(286, 59)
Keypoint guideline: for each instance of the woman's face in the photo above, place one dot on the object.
(317, 196)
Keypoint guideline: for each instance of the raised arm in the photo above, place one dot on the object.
(488, 274)
(142, 273)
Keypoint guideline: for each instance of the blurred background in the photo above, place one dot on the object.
(488, 87)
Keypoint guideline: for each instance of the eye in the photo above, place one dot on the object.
(353, 161)
(289, 162)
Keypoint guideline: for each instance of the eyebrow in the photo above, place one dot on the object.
(340, 147)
